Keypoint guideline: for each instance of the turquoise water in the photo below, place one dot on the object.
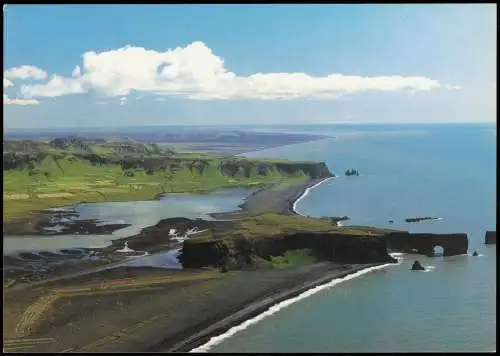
(447, 171)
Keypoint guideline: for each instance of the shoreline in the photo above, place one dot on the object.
(282, 200)
(305, 193)
(206, 338)
(273, 198)
(257, 295)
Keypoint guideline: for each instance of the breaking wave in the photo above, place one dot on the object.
(282, 305)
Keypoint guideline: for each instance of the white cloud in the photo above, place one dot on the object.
(195, 72)
(7, 83)
(23, 102)
(76, 72)
(56, 86)
(25, 72)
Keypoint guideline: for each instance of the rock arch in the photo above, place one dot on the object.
(437, 250)
(452, 244)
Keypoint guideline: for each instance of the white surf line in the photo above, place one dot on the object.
(429, 268)
(306, 192)
(281, 305)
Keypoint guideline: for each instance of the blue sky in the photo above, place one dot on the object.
(126, 65)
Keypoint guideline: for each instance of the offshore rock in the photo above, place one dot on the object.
(490, 238)
(417, 266)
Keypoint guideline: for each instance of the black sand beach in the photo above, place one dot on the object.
(303, 281)
(155, 316)
(271, 198)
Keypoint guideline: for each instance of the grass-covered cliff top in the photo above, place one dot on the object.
(277, 225)
(42, 174)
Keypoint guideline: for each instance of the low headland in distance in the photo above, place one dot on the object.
(234, 267)
(61, 171)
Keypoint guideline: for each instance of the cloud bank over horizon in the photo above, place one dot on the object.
(193, 72)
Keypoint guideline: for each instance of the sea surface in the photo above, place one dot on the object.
(448, 171)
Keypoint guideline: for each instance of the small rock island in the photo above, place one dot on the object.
(417, 266)
(351, 172)
(336, 220)
(418, 219)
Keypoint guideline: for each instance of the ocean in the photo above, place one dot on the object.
(447, 171)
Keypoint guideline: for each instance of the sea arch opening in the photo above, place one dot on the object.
(437, 251)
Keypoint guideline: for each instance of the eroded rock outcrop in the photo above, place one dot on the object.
(417, 266)
(420, 219)
(490, 238)
(423, 243)
(341, 248)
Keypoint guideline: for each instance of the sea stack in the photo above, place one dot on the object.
(490, 238)
(417, 266)
(351, 172)
(475, 253)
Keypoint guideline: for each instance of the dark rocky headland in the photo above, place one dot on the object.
(490, 237)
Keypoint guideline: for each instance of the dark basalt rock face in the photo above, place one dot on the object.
(490, 238)
(341, 248)
(337, 219)
(419, 219)
(417, 266)
(351, 172)
(315, 170)
(423, 243)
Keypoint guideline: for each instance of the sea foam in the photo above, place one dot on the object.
(397, 255)
(429, 268)
(306, 192)
(282, 305)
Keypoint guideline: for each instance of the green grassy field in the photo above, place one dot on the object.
(293, 258)
(68, 180)
(278, 225)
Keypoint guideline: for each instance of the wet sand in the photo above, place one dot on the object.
(272, 198)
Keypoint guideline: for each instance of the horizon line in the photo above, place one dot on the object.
(260, 125)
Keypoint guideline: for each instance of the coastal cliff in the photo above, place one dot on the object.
(247, 241)
(490, 237)
(403, 241)
(240, 252)
(53, 165)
